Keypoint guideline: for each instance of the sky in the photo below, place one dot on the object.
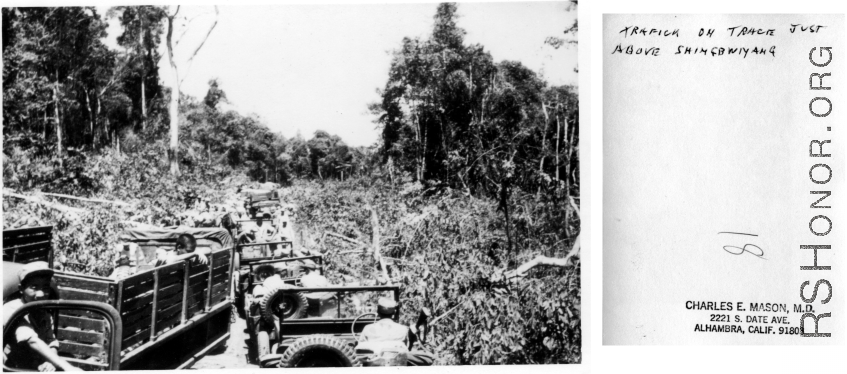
(302, 68)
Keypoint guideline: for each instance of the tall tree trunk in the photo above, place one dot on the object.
(422, 169)
(567, 182)
(117, 139)
(105, 132)
(173, 110)
(543, 146)
(445, 172)
(90, 116)
(56, 113)
(174, 106)
(391, 169)
(568, 155)
(571, 147)
(558, 136)
(143, 69)
(419, 156)
(504, 204)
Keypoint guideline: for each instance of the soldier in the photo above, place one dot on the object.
(312, 278)
(286, 231)
(34, 346)
(185, 247)
(266, 232)
(386, 330)
(265, 331)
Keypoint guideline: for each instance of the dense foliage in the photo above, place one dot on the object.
(452, 114)
(448, 251)
(82, 240)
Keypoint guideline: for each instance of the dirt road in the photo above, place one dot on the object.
(235, 356)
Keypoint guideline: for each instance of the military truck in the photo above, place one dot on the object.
(164, 317)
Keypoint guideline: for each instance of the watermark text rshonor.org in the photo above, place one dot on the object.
(820, 225)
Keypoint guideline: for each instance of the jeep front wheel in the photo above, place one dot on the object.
(319, 351)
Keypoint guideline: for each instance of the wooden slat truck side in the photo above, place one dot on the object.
(170, 315)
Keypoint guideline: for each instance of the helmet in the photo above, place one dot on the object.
(32, 269)
(386, 307)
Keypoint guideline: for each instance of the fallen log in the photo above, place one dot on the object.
(87, 199)
(545, 261)
(56, 206)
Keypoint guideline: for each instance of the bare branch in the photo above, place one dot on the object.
(342, 237)
(573, 205)
(169, 38)
(191, 59)
(545, 261)
(453, 309)
(119, 72)
(187, 24)
(377, 252)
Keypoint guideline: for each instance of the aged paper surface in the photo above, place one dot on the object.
(723, 176)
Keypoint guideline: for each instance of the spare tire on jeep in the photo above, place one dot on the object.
(289, 305)
(319, 351)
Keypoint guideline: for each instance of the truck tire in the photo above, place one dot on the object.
(319, 351)
(291, 305)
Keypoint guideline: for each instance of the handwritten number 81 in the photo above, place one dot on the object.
(757, 251)
(752, 249)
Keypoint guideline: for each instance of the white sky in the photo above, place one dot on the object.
(310, 67)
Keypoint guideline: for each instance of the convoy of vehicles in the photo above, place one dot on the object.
(170, 316)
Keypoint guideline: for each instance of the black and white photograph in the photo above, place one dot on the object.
(296, 185)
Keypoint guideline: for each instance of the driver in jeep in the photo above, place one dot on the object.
(265, 330)
(386, 330)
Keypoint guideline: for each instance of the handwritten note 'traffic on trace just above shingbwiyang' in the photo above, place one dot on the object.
(715, 42)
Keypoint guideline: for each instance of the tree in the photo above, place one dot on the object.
(142, 31)
(173, 112)
(53, 59)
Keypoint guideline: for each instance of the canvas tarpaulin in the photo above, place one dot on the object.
(169, 234)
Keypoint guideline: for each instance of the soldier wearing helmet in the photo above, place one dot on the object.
(33, 344)
(386, 330)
